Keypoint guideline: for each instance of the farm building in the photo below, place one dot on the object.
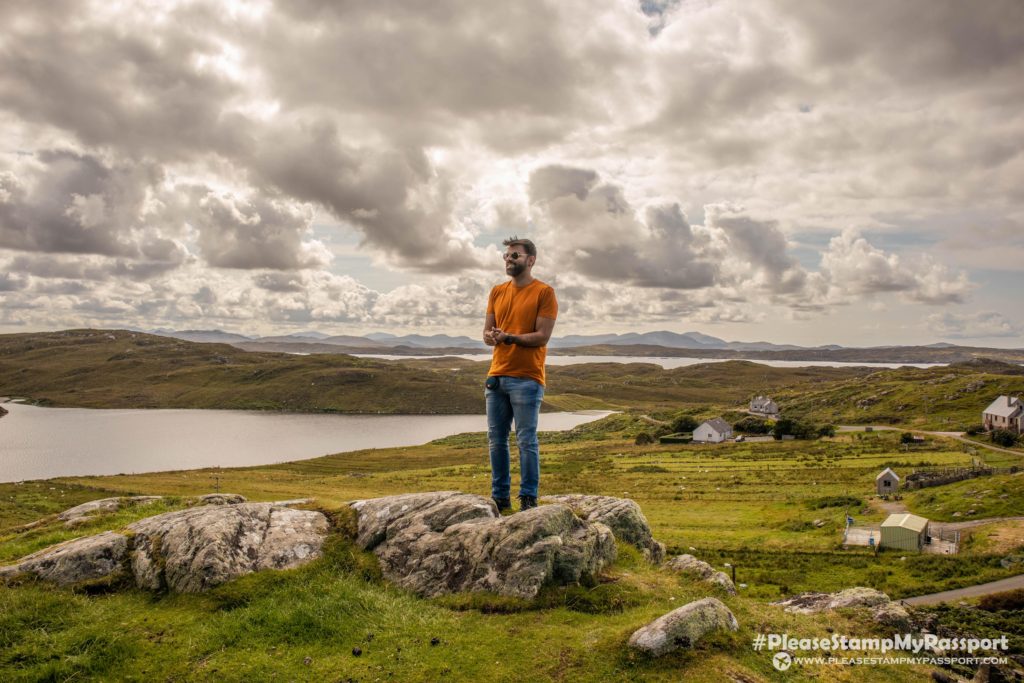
(764, 406)
(887, 482)
(904, 531)
(713, 431)
(1006, 412)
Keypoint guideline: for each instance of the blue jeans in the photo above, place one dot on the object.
(519, 398)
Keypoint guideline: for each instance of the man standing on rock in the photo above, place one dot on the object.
(520, 318)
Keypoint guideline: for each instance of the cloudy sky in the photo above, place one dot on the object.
(795, 172)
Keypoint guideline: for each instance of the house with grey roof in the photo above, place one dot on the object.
(712, 431)
(1006, 412)
(763, 405)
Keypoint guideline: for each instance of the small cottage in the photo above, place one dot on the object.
(887, 482)
(1006, 412)
(764, 406)
(712, 431)
(904, 531)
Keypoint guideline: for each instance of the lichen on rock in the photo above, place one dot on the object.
(688, 564)
(622, 515)
(448, 542)
(684, 627)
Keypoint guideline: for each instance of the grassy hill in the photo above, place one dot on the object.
(121, 369)
(753, 506)
(941, 398)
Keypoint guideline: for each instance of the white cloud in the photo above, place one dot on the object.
(158, 144)
(853, 266)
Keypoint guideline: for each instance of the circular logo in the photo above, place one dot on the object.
(782, 661)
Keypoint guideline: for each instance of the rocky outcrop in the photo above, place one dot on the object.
(894, 615)
(77, 561)
(812, 603)
(221, 499)
(3, 411)
(96, 507)
(684, 627)
(447, 542)
(688, 564)
(621, 515)
(186, 551)
(190, 551)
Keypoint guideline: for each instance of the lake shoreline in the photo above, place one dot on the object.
(45, 443)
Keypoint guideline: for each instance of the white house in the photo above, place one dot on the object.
(764, 406)
(1006, 412)
(712, 431)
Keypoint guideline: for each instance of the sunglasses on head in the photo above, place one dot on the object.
(513, 256)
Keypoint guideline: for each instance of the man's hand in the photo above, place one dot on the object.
(489, 336)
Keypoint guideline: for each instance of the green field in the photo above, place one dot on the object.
(774, 511)
(749, 505)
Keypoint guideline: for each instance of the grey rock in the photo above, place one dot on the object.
(893, 614)
(688, 564)
(79, 560)
(684, 627)
(622, 515)
(812, 603)
(448, 542)
(294, 502)
(193, 550)
(94, 507)
(221, 499)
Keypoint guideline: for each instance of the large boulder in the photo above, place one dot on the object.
(448, 542)
(95, 507)
(622, 515)
(812, 603)
(185, 551)
(683, 627)
(80, 560)
(189, 551)
(688, 564)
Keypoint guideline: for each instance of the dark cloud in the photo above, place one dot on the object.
(278, 282)
(762, 245)
(551, 182)
(596, 233)
(73, 203)
(254, 232)
(11, 283)
(950, 40)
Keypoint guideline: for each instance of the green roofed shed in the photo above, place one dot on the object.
(904, 531)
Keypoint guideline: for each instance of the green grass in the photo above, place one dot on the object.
(753, 506)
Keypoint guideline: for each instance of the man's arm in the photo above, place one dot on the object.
(539, 337)
(489, 330)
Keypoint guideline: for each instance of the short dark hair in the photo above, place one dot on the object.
(526, 244)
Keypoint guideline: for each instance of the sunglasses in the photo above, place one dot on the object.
(514, 256)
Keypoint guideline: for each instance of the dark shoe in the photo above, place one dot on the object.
(503, 504)
(527, 502)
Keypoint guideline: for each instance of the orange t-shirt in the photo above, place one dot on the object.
(515, 311)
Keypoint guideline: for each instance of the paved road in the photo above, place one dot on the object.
(957, 526)
(970, 592)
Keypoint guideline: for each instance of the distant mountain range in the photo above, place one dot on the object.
(660, 343)
(383, 340)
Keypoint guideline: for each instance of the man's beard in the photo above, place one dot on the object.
(514, 269)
